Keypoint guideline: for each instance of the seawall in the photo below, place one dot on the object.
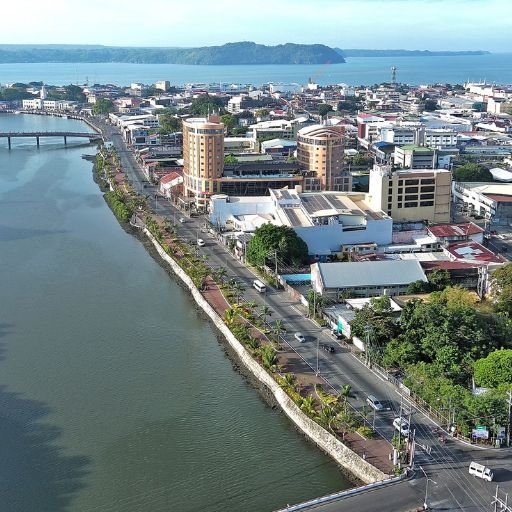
(340, 453)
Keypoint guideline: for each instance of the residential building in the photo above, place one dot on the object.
(365, 278)
(411, 195)
(411, 156)
(452, 233)
(320, 153)
(203, 156)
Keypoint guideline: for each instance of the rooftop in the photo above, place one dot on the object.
(370, 273)
(473, 252)
(455, 230)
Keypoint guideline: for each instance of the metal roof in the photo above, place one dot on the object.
(370, 273)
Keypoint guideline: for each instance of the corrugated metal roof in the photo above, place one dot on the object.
(370, 273)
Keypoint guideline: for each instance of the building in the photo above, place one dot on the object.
(411, 156)
(365, 278)
(320, 153)
(203, 156)
(329, 222)
(411, 195)
(452, 233)
(162, 85)
(490, 200)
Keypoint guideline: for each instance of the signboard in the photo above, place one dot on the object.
(501, 433)
(480, 433)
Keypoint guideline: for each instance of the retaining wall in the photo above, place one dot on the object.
(343, 455)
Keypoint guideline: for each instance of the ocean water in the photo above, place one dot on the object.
(356, 71)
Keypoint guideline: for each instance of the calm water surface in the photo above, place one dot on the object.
(115, 395)
(357, 70)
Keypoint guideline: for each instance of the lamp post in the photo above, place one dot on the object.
(317, 356)
(425, 501)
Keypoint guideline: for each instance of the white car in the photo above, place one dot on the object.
(201, 242)
(299, 337)
(402, 425)
(182, 220)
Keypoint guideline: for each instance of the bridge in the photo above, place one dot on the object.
(37, 135)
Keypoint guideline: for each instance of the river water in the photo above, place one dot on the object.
(115, 394)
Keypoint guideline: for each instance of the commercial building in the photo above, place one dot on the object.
(411, 195)
(411, 156)
(162, 85)
(329, 222)
(320, 153)
(203, 156)
(365, 278)
(491, 200)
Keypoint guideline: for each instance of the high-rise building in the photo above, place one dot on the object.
(320, 153)
(411, 195)
(203, 156)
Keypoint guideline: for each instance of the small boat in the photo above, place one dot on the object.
(17, 112)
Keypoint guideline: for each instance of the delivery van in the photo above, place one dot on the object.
(481, 471)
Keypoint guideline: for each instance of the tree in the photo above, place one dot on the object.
(439, 279)
(283, 240)
(501, 289)
(324, 109)
(269, 357)
(230, 159)
(103, 106)
(430, 105)
(205, 104)
(495, 369)
(169, 122)
(472, 172)
(262, 113)
(278, 327)
(229, 121)
(308, 406)
(264, 312)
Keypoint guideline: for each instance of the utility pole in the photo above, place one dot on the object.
(275, 258)
(502, 502)
(317, 356)
(509, 418)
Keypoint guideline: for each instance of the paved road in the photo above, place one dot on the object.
(446, 465)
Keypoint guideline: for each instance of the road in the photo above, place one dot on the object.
(447, 465)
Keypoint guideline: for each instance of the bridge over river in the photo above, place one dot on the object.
(37, 135)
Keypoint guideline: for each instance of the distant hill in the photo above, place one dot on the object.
(405, 53)
(231, 53)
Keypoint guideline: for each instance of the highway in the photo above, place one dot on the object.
(450, 485)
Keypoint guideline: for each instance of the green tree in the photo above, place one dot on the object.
(103, 106)
(439, 279)
(472, 172)
(265, 312)
(205, 104)
(501, 289)
(290, 248)
(229, 121)
(495, 369)
(308, 406)
(269, 357)
(169, 122)
(430, 105)
(230, 159)
(324, 109)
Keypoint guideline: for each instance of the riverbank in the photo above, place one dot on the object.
(269, 383)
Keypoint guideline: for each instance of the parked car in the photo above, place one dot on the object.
(299, 337)
(201, 242)
(328, 348)
(183, 220)
(402, 425)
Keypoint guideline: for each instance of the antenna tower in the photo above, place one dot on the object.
(393, 76)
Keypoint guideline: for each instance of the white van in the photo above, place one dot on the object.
(481, 471)
(259, 286)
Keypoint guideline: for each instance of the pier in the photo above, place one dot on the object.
(37, 135)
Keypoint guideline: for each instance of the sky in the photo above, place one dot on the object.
(379, 24)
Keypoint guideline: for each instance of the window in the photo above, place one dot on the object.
(413, 204)
(413, 197)
(412, 182)
(427, 203)
(400, 198)
(411, 190)
(428, 181)
(427, 189)
(427, 196)
(400, 190)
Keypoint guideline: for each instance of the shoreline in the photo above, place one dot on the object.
(355, 469)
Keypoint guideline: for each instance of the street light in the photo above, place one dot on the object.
(425, 501)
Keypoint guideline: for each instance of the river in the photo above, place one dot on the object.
(495, 67)
(115, 394)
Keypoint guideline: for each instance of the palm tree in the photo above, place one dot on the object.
(220, 275)
(345, 394)
(269, 357)
(288, 381)
(279, 327)
(230, 316)
(308, 406)
(327, 416)
(238, 288)
(264, 312)
(345, 421)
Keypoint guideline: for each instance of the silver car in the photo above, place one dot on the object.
(299, 337)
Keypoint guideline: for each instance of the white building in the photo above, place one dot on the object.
(329, 222)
